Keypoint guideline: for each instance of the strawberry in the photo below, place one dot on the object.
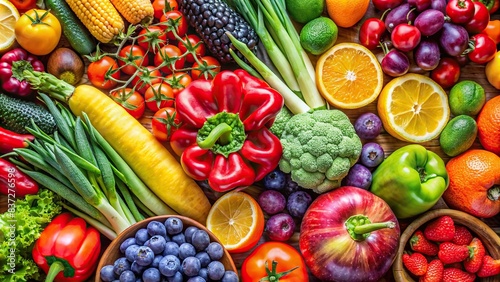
(419, 243)
(451, 274)
(434, 272)
(490, 267)
(474, 261)
(450, 253)
(462, 235)
(441, 229)
(416, 263)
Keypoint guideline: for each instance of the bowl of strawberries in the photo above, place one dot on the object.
(448, 245)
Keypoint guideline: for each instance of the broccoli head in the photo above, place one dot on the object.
(319, 148)
(280, 121)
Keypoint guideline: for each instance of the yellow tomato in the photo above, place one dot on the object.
(493, 71)
(38, 31)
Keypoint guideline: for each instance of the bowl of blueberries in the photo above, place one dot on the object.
(169, 248)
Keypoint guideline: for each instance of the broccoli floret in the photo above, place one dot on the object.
(280, 121)
(319, 148)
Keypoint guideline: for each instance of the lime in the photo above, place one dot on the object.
(466, 98)
(458, 135)
(303, 11)
(318, 35)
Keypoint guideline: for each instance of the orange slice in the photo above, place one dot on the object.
(8, 18)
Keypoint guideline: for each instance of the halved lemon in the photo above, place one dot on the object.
(413, 108)
(349, 76)
(8, 18)
(237, 220)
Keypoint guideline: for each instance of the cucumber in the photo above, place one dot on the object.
(16, 114)
(78, 35)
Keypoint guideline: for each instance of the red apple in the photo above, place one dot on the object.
(349, 234)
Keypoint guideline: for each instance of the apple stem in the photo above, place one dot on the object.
(367, 228)
(359, 226)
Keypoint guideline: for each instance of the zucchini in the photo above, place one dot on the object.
(16, 115)
(76, 33)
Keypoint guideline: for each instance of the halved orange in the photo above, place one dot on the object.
(237, 220)
(8, 18)
(349, 76)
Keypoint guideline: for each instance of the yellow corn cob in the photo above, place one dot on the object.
(99, 16)
(135, 11)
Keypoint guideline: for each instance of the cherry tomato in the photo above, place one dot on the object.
(208, 68)
(405, 37)
(277, 257)
(152, 38)
(484, 49)
(146, 77)
(495, 7)
(174, 20)
(130, 100)
(446, 73)
(162, 6)
(159, 95)
(460, 11)
(164, 123)
(130, 57)
(493, 30)
(102, 72)
(383, 5)
(178, 81)
(24, 5)
(480, 19)
(370, 33)
(194, 45)
(170, 57)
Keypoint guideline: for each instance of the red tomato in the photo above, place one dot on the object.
(170, 57)
(159, 95)
(174, 20)
(484, 49)
(102, 71)
(130, 57)
(383, 5)
(405, 37)
(446, 73)
(208, 68)
(178, 81)
(277, 257)
(495, 7)
(24, 5)
(371, 33)
(480, 19)
(162, 6)
(152, 38)
(164, 123)
(493, 30)
(146, 77)
(130, 100)
(194, 45)
(460, 11)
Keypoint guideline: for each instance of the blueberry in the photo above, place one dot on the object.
(358, 176)
(204, 258)
(196, 279)
(215, 251)
(174, 225)
(151, 275)
(141, 236)
(280, 227)
(215, 270)
(368, 126)
(189, 233)
(297, 203)
(191, 266)
(203, 273)
(200, 240)
(230, 276)
(271, 201)
(179, 238)
(169, 265)
(127, 276)
(137, 269)
(372, 154)
(107, 273)
(156, 261)
(124, 245)
(131, 252)
(156, 244)
(171, 248)
(156, 228)
(290, 186)
(120, 265)
(186, 250)
(178, 277)
(144, 256)
(275, 180)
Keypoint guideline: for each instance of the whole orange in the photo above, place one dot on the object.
(474, 183)
(488, 125)
(346, 13)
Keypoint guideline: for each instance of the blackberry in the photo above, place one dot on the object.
(211, 19)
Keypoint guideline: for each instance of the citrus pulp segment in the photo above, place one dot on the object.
(8, 18)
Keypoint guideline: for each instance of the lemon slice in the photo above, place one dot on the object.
(413, 108)
(8, 18)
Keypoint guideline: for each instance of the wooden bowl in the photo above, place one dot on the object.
(112, 252)
(490, 239)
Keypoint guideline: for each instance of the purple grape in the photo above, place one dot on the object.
(271, 201)
(297, 203)
(368, 126)
(439, 5)
(395, 63)
(420, 4)
(372, 154)
(280, 227)
(429, 22)
(427, 55)
(454, 39)
(358, 176)
(401, 14)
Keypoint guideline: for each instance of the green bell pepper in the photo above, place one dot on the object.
(411, 180)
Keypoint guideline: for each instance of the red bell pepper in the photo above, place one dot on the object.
(224, 137)
(67, 250)
(12, 65)
(10, 140)
(15, 182)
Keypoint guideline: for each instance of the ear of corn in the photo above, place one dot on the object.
(100, 17)
(135, 11)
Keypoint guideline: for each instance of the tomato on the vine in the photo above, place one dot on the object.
(164, 123)
(405, 37)
(174, 20)
(460, 11)
(170, 57)
(161, 6)
(484, 49)
(23, 5)
(371, 32)
(102, 72)
(152, 38)
(132, 101)
(178, 81)
(277, 258)
(159, 95)
(208, 68)
(446, 73)
(480, 19)
(131, 57)
(193, 44)
(146, 77)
